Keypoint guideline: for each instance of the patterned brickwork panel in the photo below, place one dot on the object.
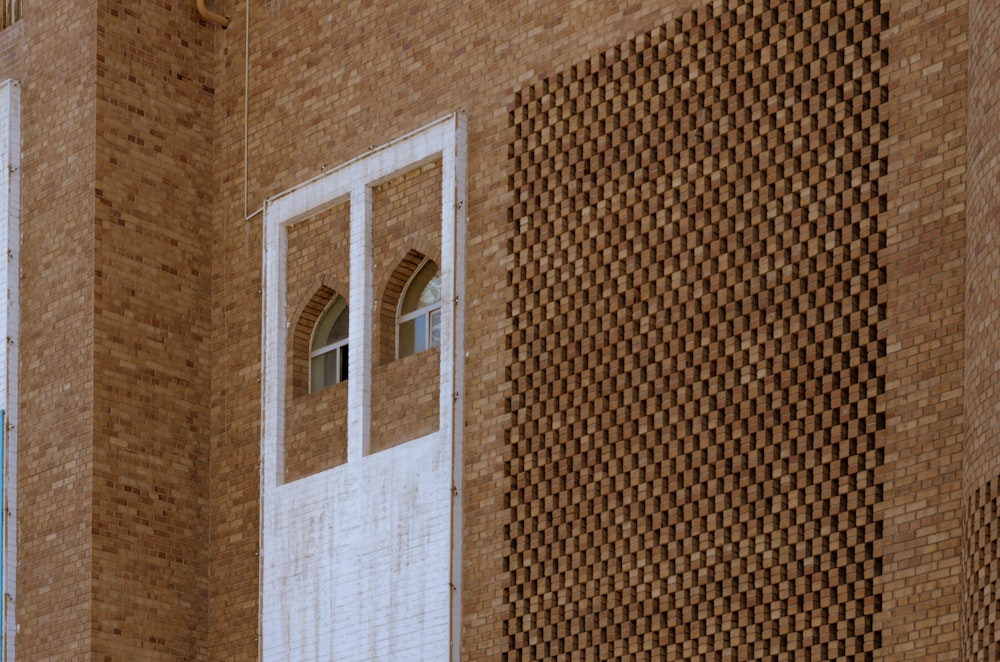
(695, 342)
(981, 567)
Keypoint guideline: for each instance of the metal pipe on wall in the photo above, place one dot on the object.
(210, 15)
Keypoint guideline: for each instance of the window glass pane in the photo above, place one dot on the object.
(326, 370)
(332, 325)
(424, 289)
(340, 328)
(435, 322)
(432, 293)
(330, 371)
(407, 337)
(316, 376)
(420, 334)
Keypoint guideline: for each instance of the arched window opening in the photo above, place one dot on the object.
(419, 318)
(328, 350)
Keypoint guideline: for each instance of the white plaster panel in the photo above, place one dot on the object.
(360, 560)
(363, 561)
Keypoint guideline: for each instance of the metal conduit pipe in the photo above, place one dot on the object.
(209, 15)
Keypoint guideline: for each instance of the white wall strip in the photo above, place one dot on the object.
(10, 243)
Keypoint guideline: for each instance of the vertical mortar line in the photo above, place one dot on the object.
(360, 323)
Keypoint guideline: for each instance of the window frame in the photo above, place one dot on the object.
(340, 373)
(423, 314)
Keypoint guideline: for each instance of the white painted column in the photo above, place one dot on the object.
(10, 244)
(362, 303)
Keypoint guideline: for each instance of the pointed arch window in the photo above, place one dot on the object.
(328, 351)
(419, 317)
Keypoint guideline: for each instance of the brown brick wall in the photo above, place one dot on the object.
(925, 232)
(236, 340)
(112, 557)
(56, 360)
(322, 90)
(405, 402)
(726, 361)
(316, 432)
(152, 284)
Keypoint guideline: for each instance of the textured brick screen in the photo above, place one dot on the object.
(695, 342)
(982, 573)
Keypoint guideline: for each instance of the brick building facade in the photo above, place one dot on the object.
(709, 363)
